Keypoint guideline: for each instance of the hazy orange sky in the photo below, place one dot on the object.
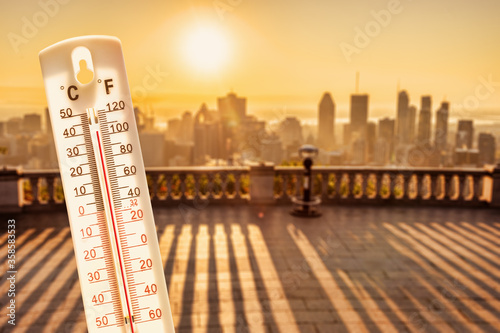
(281, 54)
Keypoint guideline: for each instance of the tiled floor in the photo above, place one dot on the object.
(258, 269)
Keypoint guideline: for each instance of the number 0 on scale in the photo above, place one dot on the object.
(105, 187)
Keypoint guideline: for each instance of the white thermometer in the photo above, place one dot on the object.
(105, 188)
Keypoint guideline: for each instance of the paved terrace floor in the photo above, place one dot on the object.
(252, 269)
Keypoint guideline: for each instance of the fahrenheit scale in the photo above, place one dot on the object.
(105, 187)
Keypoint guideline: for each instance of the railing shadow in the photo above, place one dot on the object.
(372, 269)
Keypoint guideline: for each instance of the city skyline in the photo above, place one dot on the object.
(308, 50)
(229, 135)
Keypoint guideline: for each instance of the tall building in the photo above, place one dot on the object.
(465, 134)
(358, 151)
(290, 131)
(441, 130)
(232, 109)
(326, 122)
(32, 123)
(359, 116)
(486, 145)
(271, 149)
(13, 126)
(232, 112)
(346, 135)
(207, 136)
(386, 128)
(424, 121)
(381, 154)
(152, 147)
(173, 129)
(186, 128)
(412, 113)
(251, 133)
(403, 117)
(371, 139)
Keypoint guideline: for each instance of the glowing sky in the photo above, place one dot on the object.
(279, 53)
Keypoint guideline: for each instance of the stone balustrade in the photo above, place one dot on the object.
(269, 184)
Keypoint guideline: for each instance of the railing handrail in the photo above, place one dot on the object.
(285, 169)
(386, 169)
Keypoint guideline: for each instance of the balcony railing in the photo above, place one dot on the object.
(276, 185)
(369, 185)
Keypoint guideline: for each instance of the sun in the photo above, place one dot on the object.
(206, 48)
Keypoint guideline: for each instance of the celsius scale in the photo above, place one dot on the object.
(105, 187)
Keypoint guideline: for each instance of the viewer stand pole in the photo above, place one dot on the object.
(307, 206)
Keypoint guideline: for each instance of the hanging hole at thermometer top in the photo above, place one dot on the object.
(83, 66)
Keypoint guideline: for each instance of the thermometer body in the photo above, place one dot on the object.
(105, 187)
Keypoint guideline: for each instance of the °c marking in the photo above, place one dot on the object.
(71, 96)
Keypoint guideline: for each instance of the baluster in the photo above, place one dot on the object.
(378, 184)
(182, 178)
(50, 189)
(392, 185)
(461, 191)
(169, 178)
(210, 185)
(338, 183)
(419, 189)
(433, 187)
(284, 184)
(154, 187)
(477, 188)
(223, 182)
(406, 185)
(447, 186)
(364, 184)
(324, 185)
(351, 178)
(237, 185)
(34, 190)
(299, 179)
(196, 191)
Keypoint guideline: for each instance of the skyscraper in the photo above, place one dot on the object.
(326, 122)
(465, 134)
(412, 113)
(32, 123)
(424, 121)
(371, 139)
(290, 131)
(186, 128)
(207, 139)
(232, 112)
(441, 131)
(359, 116)
(386, 129)
(402, 117)
(486, 144)
(232, 109)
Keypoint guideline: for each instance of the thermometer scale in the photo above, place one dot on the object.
(105, 187)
